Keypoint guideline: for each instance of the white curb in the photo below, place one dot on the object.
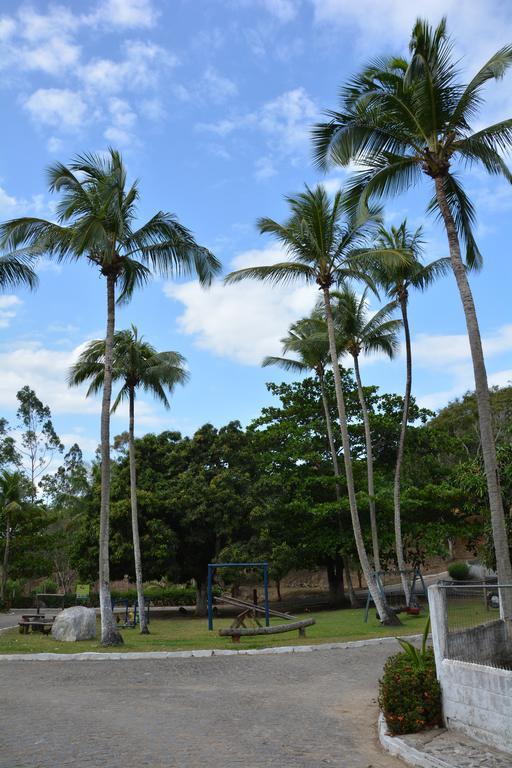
(406, 752)
(208, 653)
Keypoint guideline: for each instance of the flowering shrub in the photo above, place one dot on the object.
(410, 696)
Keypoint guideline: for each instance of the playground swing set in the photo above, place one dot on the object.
(414, 577)
(251, 611)
(131, 617)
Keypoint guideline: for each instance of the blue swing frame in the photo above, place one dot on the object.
(213, 566)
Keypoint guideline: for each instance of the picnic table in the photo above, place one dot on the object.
(37, 622)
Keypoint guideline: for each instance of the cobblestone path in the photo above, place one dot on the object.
(276, 711)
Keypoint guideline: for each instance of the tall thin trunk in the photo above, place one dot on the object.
(135, 518)
(5, 563)
(499, 528)
(335, 581)
(369, 465)
(201, 608)
(399, 545)
(354, 601)
(330, 438)
(110, 635)
(386, 616)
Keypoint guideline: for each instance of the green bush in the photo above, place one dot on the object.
(410, 696)
(458, 571)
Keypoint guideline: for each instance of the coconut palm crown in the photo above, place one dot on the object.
(135, 363)
(403, 118)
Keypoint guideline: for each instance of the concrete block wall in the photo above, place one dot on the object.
(477, 699)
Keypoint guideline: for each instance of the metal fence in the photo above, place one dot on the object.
(475, 630)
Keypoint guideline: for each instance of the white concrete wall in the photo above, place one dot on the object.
(477, 699)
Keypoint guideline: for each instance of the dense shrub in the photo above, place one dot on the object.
(458, 571)
(159, 596)
(410, 696)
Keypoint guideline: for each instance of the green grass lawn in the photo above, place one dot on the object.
(175, 634)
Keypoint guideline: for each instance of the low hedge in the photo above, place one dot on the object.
(458, 571)
(159, 596)
(410, 697)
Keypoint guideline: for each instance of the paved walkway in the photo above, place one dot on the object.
(280, 711)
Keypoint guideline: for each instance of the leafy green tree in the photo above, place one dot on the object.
(11, 499)
(307, 339)
(66, 494)
(39, 440)
(9, 454)
(137, 365)
(360, 332)
(327, 244)
(96, 223)
(402, 119)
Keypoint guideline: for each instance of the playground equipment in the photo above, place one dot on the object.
(394, 590)
(250, 611)
(130, 613)
(211, 569)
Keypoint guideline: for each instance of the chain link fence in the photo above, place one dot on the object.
(475, 629)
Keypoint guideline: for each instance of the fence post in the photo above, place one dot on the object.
(438, 622)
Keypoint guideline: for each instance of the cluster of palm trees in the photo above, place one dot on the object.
(95, 223)
(400, 120)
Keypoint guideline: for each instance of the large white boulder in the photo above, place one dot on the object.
(76, 623)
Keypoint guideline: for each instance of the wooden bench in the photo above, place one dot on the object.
(37, 625)
(236, 632)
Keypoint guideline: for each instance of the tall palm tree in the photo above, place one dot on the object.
(96, 223)
(397, 280)
(17, 270)
(308, 340)
(138, 365)
(12, 486)
(403, 119)
(325, 244)
(362, 332)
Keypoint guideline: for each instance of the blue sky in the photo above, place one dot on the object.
(211, 102)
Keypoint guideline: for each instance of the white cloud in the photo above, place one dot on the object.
(8, 306)
(288, 117)
(53, 56)
(11, 206)
(242, 322)
(125, 13)
(140, 67)
(7, 28)
(451, 356)
(59, 107)
(123, 120)
(45, 370)
(54, 144)
(217, 87)
(264, 168)
(284, 121)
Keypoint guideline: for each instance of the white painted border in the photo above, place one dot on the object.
(409, 754)
(194, 654)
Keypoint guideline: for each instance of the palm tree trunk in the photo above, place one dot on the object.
(332, 444)
(386, 616)
(110, 635)
(399, 544)
(135, 518)
(5, 563)
(369, 465)
(499, 528)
